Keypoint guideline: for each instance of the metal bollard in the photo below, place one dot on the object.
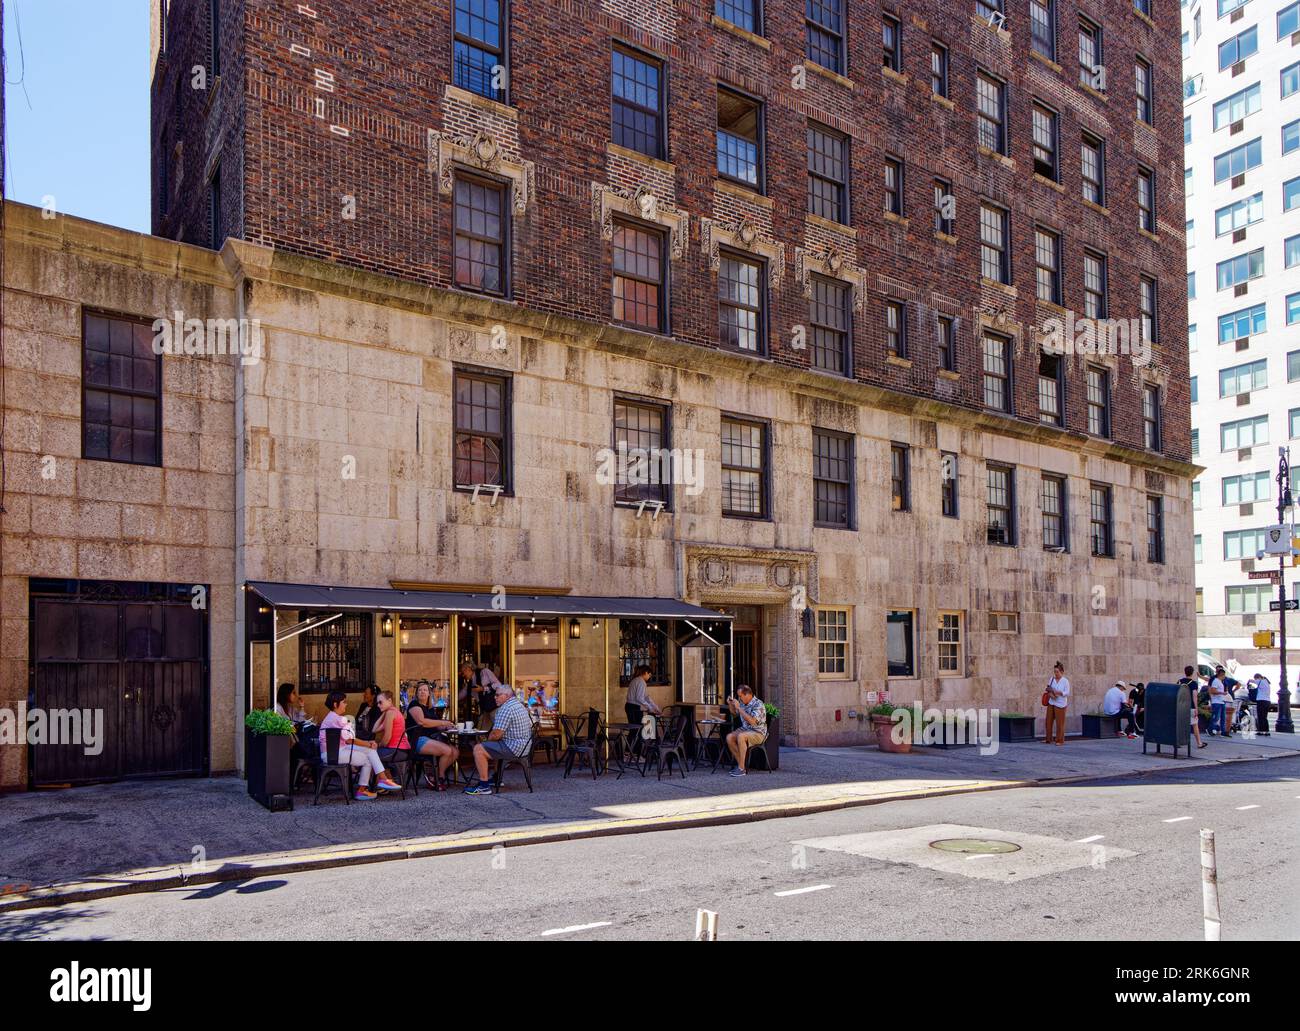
(1209, 886)
(706, 925)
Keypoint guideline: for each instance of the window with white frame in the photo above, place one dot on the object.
(834, 643)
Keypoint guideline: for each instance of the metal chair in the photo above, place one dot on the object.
(585, 735)
(329, 766)
(524, 762)
(667, 747)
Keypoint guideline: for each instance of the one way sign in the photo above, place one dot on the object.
(1292, 605)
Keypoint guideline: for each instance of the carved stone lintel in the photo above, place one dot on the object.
(642, 203)
(743, 236)
(834, 263)
(480, 151)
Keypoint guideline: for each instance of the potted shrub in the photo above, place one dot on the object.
(268, 738)
(1015, 726)
(882, 721)
(772, 746)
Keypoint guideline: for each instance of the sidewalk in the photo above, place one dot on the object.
(149, 835)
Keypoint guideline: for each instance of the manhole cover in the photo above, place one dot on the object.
(975, 846)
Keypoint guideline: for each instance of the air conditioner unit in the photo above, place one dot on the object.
(1238, 180)
(1243, 453)
(1240, 289)
(1242, 345)
(1246, 510)
(1237, 15)
(1238, 235)
(1243, 399)
(1238, 68)
(1236, 127)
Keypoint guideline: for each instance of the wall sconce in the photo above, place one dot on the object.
(575, 630)
(387, 625)
(595, 624)
(808, 629)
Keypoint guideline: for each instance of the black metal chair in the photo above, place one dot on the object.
(754, 751)
(669, 746)
(524, 762)
(398, 759)
(584, 735)
(328, 765)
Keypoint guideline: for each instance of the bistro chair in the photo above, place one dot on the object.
(549, 738)
(328, 765)
(524, 762)
(400, 760)
(754, 752)
(584, 735)
(668, 747)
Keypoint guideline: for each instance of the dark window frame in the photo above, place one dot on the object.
(1153, 421)
(1004, 378)
(1101, 407)
(760, 263)
(1002, 249)
(947, 350)
(896, 343)
(1053, 146)
(839, 38)
(895, 197)
(661, 115)
(1146, 101)
(815, 130)
(505, 438)
(1035, 37)
(892, 54)
(86, 385)
(720, 7)
(1002, 137)
(1058, 380)
(950, 486)
(760, 141)
(664, 410)
(1101, 520)
(1097, 183)
(1155, 528)
(506, 243)
(1059, 521)
(1146, 208)
(764, 469)
(651, 228)
(1008, 506)
(900, 477)
(845, 290)
(849, 485)
(501, 52)
(1056, 291)
(940, 76)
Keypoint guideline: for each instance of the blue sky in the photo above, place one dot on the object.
(83, 67)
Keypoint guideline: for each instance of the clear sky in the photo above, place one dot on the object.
(77, 107)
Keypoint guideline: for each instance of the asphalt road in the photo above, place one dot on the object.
(1109, 860)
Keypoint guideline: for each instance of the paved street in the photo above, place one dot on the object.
(1113, 860)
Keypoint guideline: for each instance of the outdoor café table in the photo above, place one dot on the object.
(710, 734)
(623, 737)
(464, 737)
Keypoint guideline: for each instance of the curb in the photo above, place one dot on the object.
(132, 882)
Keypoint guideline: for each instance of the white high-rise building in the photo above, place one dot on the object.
(1241, 71)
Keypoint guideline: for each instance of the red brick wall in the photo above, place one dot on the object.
(390, 63)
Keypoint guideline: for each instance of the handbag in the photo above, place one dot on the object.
(1047, 698)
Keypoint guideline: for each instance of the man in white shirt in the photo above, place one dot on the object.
(1058, 700)
(1263, 703)
(1218, 702)
(1116, 704)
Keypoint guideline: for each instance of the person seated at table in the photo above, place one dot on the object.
(288, 704)
(388, 732)
(423, 730)
(752, 731)
(1114, 704)
(368, 712)
(361, 754)
(511, 737)
(1138, 699)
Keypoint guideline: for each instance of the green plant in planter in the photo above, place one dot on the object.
(883, 709)
(268, 723)
(773, 713)
(1013, 715)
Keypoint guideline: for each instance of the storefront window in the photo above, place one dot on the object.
(537, 664)
(424, 655)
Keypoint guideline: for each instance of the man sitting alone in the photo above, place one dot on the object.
(511, 737)
(1116, 705)
(752, 731)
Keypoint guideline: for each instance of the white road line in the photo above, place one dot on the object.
(1177, 819)
(1242, 808)
(802, 891)
(1095, 837)
(575, 927)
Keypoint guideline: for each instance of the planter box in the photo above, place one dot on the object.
(948, 737)
(884, 727)
(772, 746)
(1095, 725)
(266, 758)
(1016, 728)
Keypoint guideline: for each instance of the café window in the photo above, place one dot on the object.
(950, 644)
(834, 643)
(424, 653)
(900, 643)
(536, 669)
(482, 429)
(336, 656)
(744, 469)
(642, 643)
(480, 245)
(641, 432)
(121, 391)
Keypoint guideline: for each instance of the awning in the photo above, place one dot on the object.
(389, 599)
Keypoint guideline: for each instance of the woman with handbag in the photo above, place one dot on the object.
(1056, 699)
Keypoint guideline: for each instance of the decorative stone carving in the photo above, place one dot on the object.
(642, 203)
(482, 151)
(832, 261)
(735, 575)
(743, 236)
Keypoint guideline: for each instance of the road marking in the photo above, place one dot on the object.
(802, 891)
(575, 927)
(1177, 819)
(1085, 841)
(1242, 808)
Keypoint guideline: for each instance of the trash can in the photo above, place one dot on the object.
(1168, 717)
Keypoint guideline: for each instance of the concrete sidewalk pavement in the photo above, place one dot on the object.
(90, 842)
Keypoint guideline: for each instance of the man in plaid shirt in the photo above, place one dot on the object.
(511, 737)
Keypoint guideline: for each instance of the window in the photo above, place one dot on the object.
(1226, 7)
(1042, 27)
(216, 225)
(742, 288)
(1293, 429)
(828, 174)
(1146, 183)
(744, 14)
(1147, 310)
(1145, 102)
(1143, 7)
(740, 152)
(1291, 194)
(480, 244)
(639, 274)
(938, 69)
(1248, 599)
(1155, 528)
(1239, 215)
(1288, 21)
(824, 33)
(900, 651)
(1047, 264)
(121, 391)
(896, 328)
(948, 485)
(214, 37)
(944, 208)
(1091, 71)
(991, 105)
(1290, 80)
(1247, 488)
(892, 33)
(989, 9)
(1241, 324)
(482, 429)
(1291, 136)
(1189, 180)
(1099, 521)
(1093, 158)
(1052, 502)
(1196, 495)
(638, 102)
(997, 372)
(1293, 366)
(1191, 286)
(1187, 129)
(1239, 269)
(479, 47)
(899, 477)
(894, 186)
(1191, 338)
(1239, 47)
(832, 479)
(1237, 161)
(1242, 433)
(1291, 251)
(1098, 381)
(1001, 505)
(950, 645)
(834, 643)
(1200, 600)
(1292, 309)
(1243, 378)
(1236, 107)
(1049, 389)
(832, 320)
(744, 468)
(1044, 134)
(1197, 554)
(1004, 622)
(995, 256)
(1151, 417)
(642, 427)
(1095, 305)
(1193, 85)
(947, 342)
(1196, 443)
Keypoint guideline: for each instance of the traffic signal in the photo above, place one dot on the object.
(1263, 638)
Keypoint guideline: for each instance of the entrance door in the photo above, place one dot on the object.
(745, 666)
(137, 655)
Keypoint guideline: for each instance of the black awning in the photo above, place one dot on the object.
(390, 599)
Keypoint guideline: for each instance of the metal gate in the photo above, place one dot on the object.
(138, 654)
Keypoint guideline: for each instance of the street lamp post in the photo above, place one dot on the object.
(1283, 724)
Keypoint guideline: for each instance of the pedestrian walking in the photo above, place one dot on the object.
(1056, 699)
(1218, 702)
(1263, 702)
(1188, 680)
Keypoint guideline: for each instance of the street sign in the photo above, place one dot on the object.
(1265, 574)
(1292, 605)
(1277, 540)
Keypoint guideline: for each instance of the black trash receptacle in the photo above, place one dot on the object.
(1168, 717)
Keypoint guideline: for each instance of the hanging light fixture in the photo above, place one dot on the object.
(575, 630)
(387, 624)
(406, 638)
(595, 624)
